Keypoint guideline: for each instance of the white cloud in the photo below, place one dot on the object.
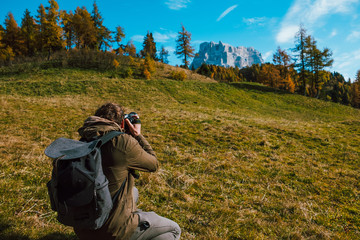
(353, 36)
(333, 33)
(226, 12)
(287, 33)
(347, 63)
(267, 55)
(310, 12)
(177, 4)
(256, 20)
(160, 37)
(137, 38)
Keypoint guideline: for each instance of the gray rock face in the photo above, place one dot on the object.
(225, 55)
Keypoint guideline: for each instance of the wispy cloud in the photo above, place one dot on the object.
(226, 12)
(353, 36)
(267, 55)
(164, 37)
(347, 63)
(310, 12)
(256, 20)
(177, 4)
(137, 38)
(333, 33)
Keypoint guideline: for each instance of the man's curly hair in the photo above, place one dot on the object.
(111, 111)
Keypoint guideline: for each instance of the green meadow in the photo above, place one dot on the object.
(238, 161)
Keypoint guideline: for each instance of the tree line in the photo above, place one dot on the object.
(52, 30)
(303, 72)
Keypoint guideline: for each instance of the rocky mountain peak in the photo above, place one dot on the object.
(225, 55)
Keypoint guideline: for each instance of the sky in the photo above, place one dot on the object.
(262, 24)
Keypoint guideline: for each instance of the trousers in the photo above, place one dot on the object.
(154, 227)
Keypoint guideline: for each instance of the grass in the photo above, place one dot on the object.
(238, 161)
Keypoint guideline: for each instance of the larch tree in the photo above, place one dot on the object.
(41, 24)
(300, 54)
(53, 31)
(149, 46)
(6, 53)
(317, 61)
(84, 28)
(130, 49)
(283, 63)
(28, 33)
(68, 28)
(12, 35)
(355, 91)
(119, 36)
(184, 49)
(164, 54)
(103, 34)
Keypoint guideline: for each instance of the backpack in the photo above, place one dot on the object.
(78, 188)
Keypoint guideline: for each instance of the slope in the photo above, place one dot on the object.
(238, 161)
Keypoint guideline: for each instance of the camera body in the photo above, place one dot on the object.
(133, 118)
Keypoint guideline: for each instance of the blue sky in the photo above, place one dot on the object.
(261, 24)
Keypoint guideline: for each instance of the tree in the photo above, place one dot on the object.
(119, 36)
(317, 61)
(164, 55)
(103, 34)
(53, 31)
(68, 28)
(130, 49)
(28, 33)
(270, 76)
(11, 36)
(149, 46)
(6, 53)
(300, 50)
(183, 47)
(41, 23)
(85, 33)
(282, 60)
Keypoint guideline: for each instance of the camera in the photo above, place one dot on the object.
(133, 118)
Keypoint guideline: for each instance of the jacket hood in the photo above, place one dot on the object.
(96, 126)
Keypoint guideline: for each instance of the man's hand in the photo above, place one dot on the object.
(135, 130)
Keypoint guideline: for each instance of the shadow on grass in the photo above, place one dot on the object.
(258, 87)
(7, 233)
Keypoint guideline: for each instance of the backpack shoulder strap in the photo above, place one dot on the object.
(107, 137)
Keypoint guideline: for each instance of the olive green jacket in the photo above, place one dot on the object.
(120, 156)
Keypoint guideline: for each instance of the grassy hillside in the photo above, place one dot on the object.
(238, 161)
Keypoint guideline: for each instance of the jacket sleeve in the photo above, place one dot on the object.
(140, 156)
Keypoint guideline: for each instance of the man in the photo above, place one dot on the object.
(122, 156)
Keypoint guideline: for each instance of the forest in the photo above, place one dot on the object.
(80, 39)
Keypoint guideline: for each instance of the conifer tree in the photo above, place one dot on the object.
(103, 34)
(28, 33)
(164, 54)
(12, 35)
(149, 46)
(119, 36)
(6, 53)
(53, 31)
(41, 23)
(300, 50)
(316, 61)
(68, 28)
(183, 47)
(355, 91)
(130, 49)
(84, 29)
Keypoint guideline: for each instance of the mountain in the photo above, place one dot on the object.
(225, 55)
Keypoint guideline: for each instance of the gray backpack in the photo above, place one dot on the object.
(78, 188)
